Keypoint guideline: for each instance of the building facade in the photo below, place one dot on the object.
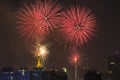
(35, 74)
(22, 74)
(7, 74)
(114, 66)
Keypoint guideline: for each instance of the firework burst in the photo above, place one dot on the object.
(78, 26)
(37, 20)
(41, 53)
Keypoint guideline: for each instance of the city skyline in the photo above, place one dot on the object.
(15, 51)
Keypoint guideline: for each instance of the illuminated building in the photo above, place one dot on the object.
(22, 74)
(7, 74)
(37, 74)
(114, 66)
(41, 74)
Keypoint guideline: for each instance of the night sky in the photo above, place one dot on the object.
(16, 52)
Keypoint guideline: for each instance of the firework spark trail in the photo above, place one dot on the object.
(79, 25)
(37, 20)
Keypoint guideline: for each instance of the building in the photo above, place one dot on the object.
(82, 71)
(92, 75)
(35, 74)
(7, 74)
(22, 74)
(58, 75)
(45, 75)
(114, 66)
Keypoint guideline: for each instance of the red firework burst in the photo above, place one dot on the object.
(36, 20)
(78, 25)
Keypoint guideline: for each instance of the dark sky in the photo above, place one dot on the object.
(14, 51)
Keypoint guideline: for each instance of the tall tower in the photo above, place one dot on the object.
(39, 64)
(38, 54)
(41, 55)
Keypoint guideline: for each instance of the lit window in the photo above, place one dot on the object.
(112, 62)
(4, 72)
(23, 72)
(11, 72)
(110, 71)
(98, 72)
(11, 78)
(19, 70)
